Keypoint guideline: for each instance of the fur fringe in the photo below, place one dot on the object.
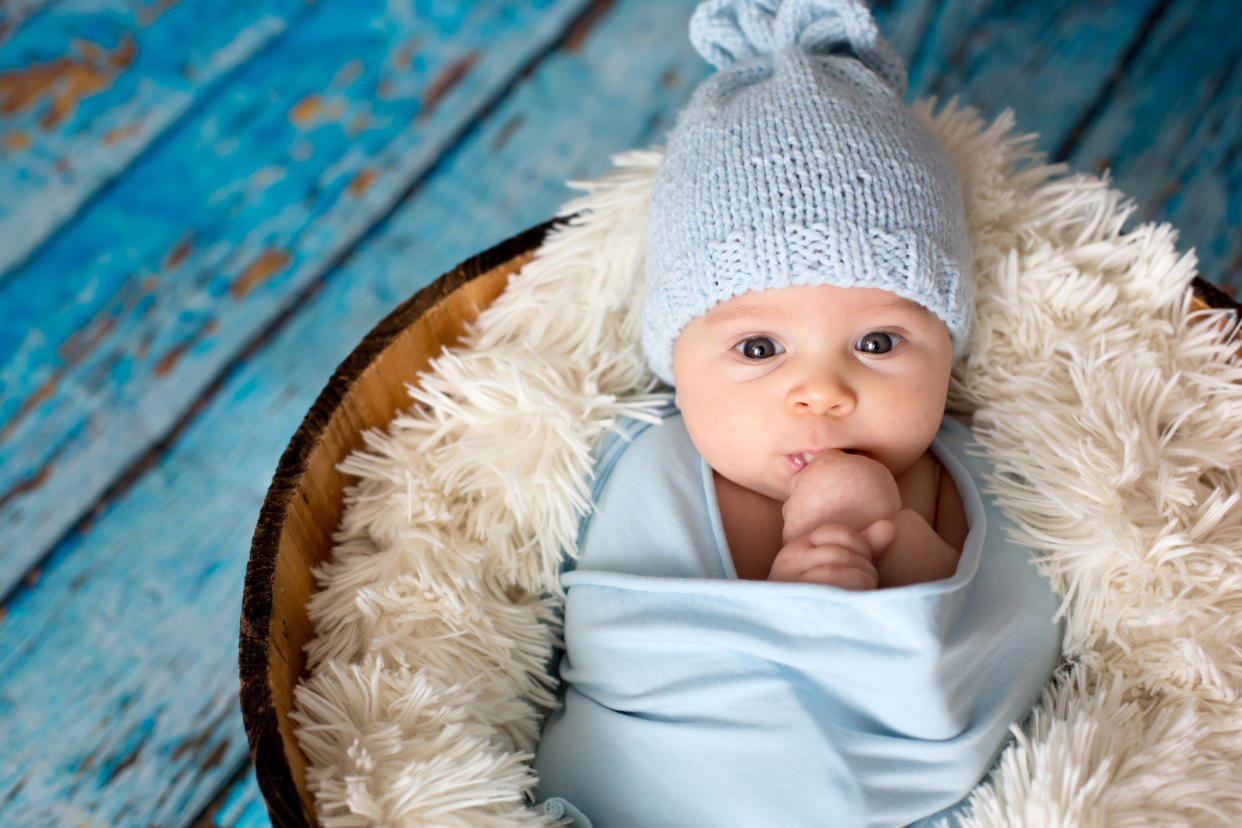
(1108, 408)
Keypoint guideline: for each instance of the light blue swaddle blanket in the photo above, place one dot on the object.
(695, 698)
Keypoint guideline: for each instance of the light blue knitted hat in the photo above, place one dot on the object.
(797, 163)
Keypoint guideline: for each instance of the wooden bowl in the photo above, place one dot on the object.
(304, 503)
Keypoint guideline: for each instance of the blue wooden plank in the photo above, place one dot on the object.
(14, 12)
(239, 805)
(118, 674)
(1148, 88)
(244, 807)
(85, 87)
(1170, 131)
(1048, 61)
(109, 331)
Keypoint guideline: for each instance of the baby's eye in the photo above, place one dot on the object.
(877, 342)
(758, 347)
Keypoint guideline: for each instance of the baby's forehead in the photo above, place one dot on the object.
(768, 302)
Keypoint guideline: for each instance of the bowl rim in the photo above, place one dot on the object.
(285, 804)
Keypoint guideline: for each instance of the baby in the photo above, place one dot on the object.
(793, 603)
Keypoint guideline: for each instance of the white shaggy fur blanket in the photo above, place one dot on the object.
(1111, 411)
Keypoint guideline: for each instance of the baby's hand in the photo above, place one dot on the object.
(835, 555)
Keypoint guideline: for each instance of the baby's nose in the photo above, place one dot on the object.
(821, 392)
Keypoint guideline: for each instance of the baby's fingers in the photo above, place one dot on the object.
(836, 534)
(831, 565)
(845, 571)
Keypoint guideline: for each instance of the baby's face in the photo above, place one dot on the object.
(770, 377)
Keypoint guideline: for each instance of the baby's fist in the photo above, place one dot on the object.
(839, 488)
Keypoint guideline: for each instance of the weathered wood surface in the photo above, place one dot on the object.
(172, 302)
(94, 85)
(178, 264)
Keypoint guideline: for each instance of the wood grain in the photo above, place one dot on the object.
(1170, 133)
(223, 224)
(83, 91)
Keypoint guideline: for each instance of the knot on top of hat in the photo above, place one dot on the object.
(726, 32)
